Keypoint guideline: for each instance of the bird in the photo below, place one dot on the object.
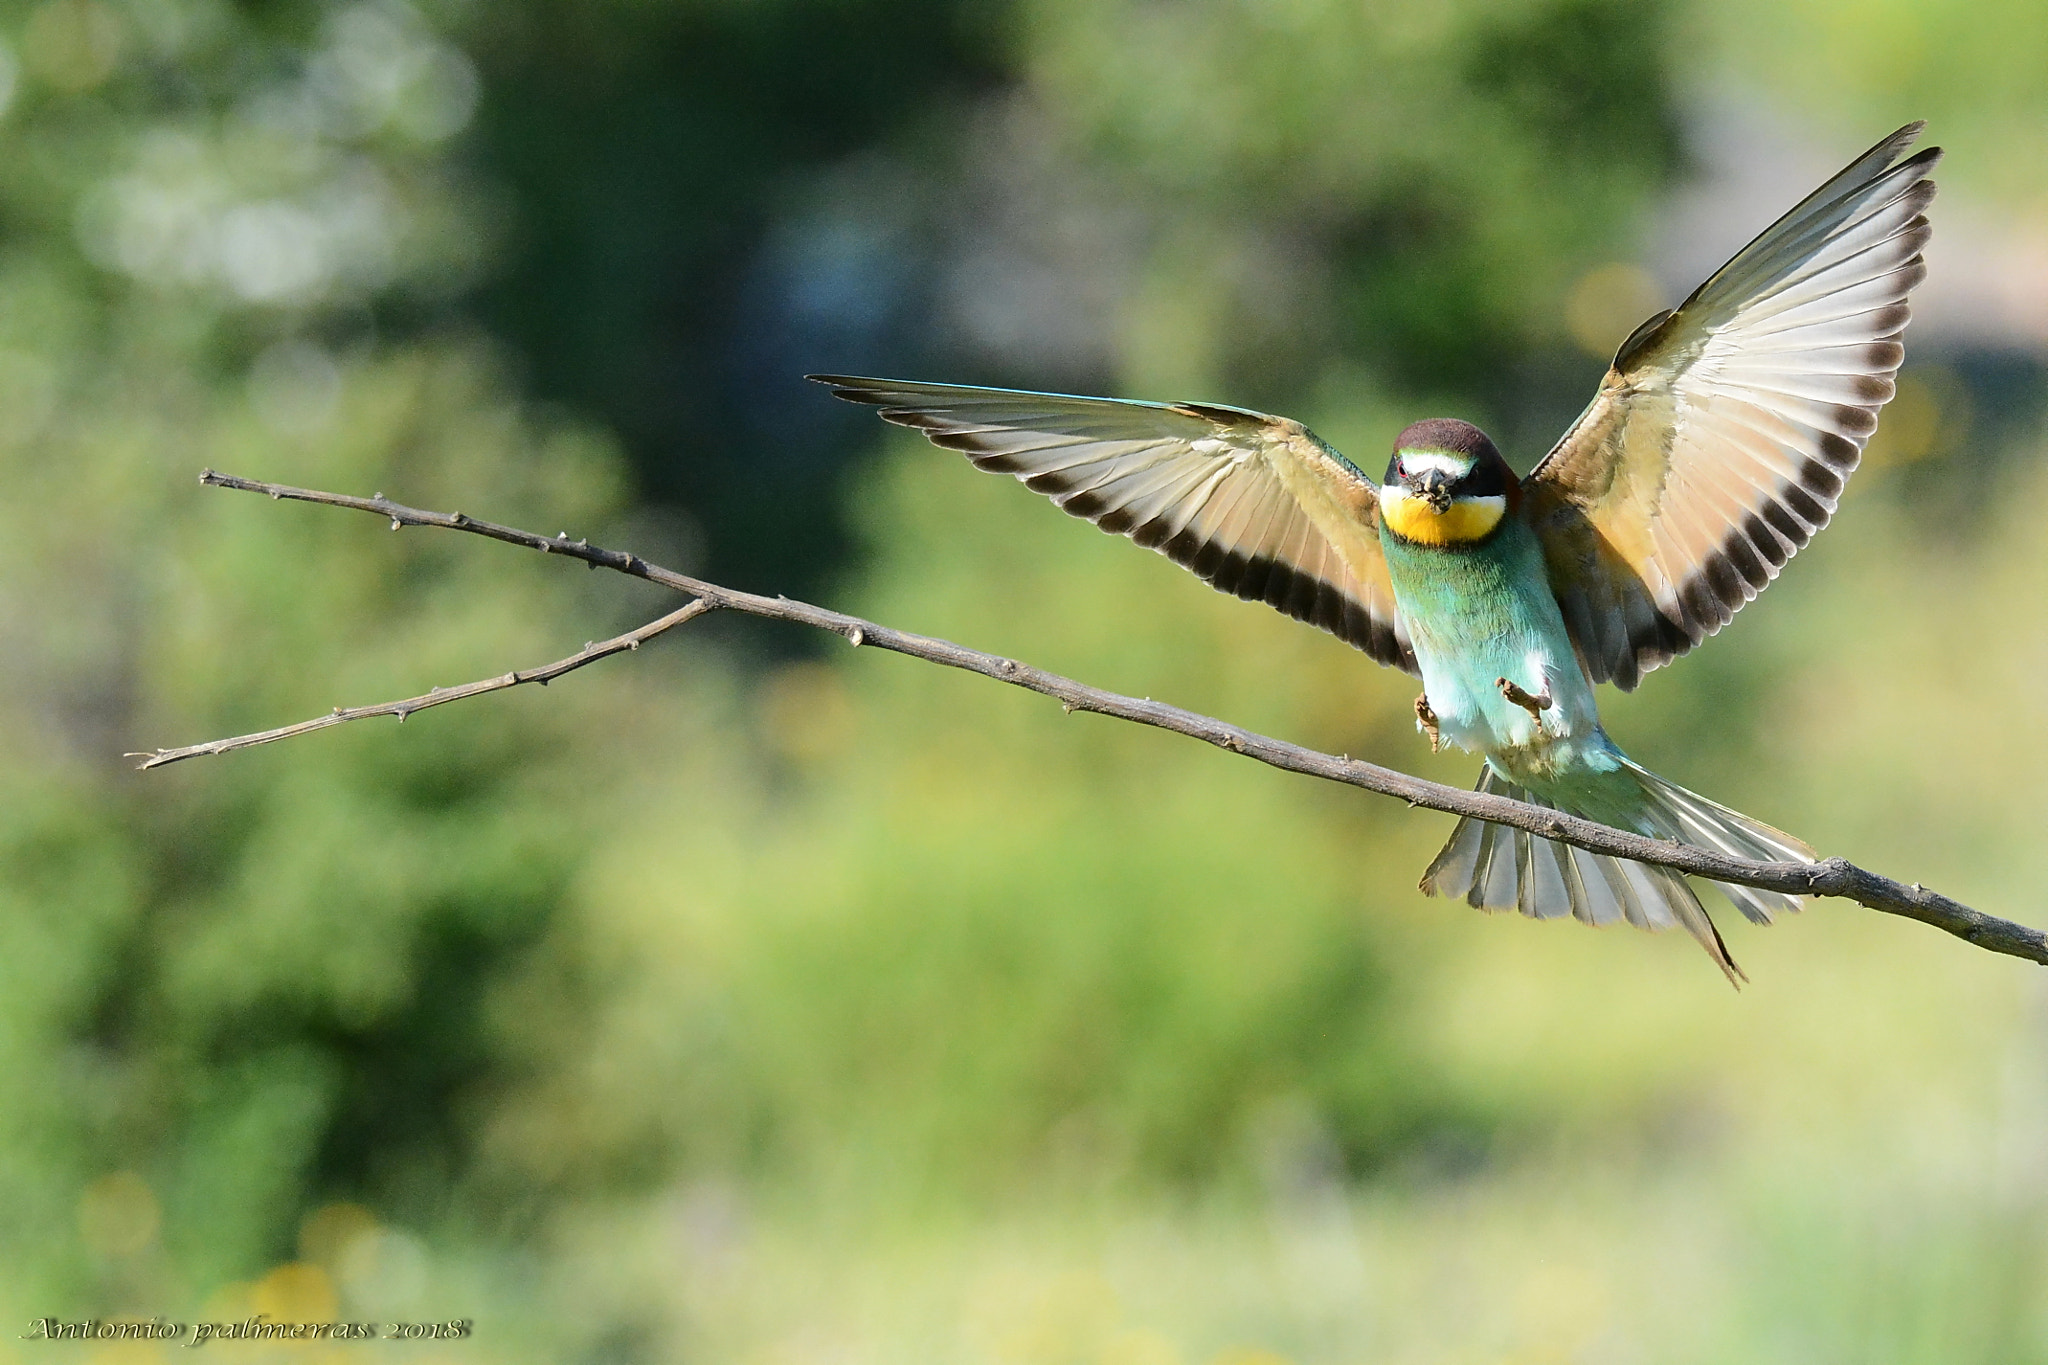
(1717, 444)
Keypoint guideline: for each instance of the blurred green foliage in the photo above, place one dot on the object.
(744, 1001)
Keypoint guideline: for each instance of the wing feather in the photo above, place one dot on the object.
(1725, 431)
(1254, 505)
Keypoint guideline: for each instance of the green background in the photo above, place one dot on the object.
(754, 999)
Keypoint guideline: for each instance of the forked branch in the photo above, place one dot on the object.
(1830, 877)
(439, 696)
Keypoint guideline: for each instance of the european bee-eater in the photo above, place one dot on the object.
(1717, 445)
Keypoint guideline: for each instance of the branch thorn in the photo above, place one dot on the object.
(1832, 876)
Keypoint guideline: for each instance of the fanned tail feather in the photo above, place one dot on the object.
(1496, 869)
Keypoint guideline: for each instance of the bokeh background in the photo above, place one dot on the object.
(757, 1000)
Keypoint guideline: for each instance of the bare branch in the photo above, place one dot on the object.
(342, 715)
(1830, 877)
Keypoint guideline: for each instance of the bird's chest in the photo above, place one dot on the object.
(1480, 613)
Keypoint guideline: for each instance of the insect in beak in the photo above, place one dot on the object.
(1434, 488)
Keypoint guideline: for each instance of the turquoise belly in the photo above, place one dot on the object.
(1476, 613)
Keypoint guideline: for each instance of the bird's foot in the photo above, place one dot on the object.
(1535, 705)
(1426, 718)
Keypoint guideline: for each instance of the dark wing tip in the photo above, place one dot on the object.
(1224, 415)
(1890, 149)
(1913, 168)
(853, 388)
(897, 405)
(1641, 339)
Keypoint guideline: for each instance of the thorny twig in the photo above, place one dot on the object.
(439, 696)
(1829, 877)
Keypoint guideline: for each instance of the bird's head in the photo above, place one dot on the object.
(1446, 484)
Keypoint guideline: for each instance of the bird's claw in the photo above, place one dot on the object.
(1534, 705)
(1426, 718)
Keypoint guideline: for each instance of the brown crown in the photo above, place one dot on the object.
(1449, 435)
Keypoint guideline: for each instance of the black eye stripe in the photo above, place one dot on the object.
(1482, 478)
(1482, 481)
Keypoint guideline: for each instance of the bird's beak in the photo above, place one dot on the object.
(1434, 488)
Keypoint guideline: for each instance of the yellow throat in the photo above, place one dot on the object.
(1464, 521)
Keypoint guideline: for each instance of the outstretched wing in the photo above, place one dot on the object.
(1254, 505)
(1721, 438)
